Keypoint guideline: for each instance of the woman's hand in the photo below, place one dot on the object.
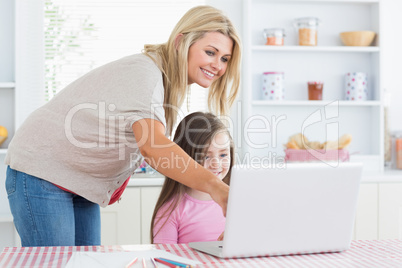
(220, 194)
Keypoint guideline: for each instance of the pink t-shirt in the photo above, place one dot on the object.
(193, 220)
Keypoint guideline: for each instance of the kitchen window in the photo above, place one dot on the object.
(80, 35)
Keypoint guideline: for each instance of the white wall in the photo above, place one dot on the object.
(392, 45)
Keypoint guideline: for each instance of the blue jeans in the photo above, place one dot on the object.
(45, 215)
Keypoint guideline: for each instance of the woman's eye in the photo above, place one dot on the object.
(209, 53)
(207, 157)
(224, 155)
(224, 59)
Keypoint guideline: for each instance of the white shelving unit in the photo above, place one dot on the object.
(7, 102)
(9, 236)
(271, 123)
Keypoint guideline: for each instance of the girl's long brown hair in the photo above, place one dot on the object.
(195, 144)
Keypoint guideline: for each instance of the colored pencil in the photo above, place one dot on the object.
(166, 263)
(131, 263)
(153, 261)
(176, 263)
(144, 265)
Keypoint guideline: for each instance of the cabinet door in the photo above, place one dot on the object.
(121, 224)
(9, 236)
(149, 196)
(366, 224)
(390, 211)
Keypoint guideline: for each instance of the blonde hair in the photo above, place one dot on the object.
(172, 60)
(195, 144)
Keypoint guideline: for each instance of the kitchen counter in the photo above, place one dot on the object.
(157, 179)
(386, 176)
(146, 180)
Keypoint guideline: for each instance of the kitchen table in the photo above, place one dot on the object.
(362, 253)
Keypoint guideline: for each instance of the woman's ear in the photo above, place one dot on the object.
(177, 40)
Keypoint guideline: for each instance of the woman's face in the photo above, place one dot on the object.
(208, 58)
(217, 159)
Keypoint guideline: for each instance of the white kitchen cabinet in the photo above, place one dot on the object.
(390, 211)
(271, 123)
(120, 222)
(9, 236)
(149, 196)
(128, 221)
(379, 211)
(366, 221)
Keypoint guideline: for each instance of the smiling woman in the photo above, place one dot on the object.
(104, 123)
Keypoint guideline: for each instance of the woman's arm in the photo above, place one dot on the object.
(169, 159)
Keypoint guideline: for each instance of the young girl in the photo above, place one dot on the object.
(183, 214)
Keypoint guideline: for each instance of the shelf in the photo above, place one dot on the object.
(314, 103)
(146, 179)
(7, 85)
(324, 1)
(370, 49)
(6, 217)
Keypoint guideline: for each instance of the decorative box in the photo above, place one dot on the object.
(293, 155)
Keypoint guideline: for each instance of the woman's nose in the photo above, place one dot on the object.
(216, 65)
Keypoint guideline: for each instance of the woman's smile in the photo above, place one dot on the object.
(208, 74)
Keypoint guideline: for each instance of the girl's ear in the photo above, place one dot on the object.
(177, 40)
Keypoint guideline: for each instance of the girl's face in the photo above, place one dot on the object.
(208, 58)
(217, 159)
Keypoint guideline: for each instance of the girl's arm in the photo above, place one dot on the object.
(166, 231)
(170, 160)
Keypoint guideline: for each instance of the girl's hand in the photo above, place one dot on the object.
(220, 238)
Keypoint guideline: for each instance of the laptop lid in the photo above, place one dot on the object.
(300, 208)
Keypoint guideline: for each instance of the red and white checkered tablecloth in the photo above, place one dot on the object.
(363, 253)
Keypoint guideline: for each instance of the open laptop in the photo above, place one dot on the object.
(298, 209)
